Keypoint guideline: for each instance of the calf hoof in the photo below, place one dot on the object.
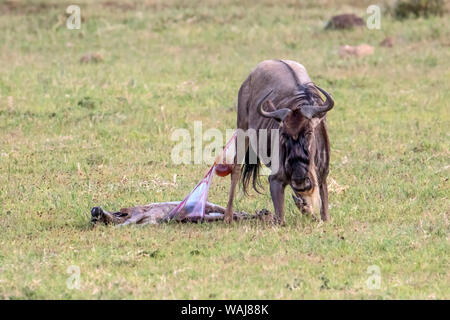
(264, 215)
(96, 214)
(263, 212)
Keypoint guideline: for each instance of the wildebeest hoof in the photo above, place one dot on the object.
(300, 203)
(228, 218)
(279, 221)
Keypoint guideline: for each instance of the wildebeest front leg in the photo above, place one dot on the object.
(324, 214)
(277, 193)
(235, 175)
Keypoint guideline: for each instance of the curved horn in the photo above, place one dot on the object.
(278, 115)
(313, 111)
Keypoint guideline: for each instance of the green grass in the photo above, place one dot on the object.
(75, 135)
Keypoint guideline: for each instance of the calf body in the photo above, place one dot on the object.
(156, 213)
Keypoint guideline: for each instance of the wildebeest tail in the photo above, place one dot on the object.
(251, 172)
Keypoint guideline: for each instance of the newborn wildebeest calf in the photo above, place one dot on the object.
(155, 213)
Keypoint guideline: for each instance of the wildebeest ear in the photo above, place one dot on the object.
(310, 111)
(278, 115)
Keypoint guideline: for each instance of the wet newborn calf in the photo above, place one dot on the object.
(155, 213)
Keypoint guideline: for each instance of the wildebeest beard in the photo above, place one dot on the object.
(297, 161)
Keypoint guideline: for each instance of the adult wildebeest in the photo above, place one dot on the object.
(299, 113)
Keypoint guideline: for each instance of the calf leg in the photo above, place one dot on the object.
(211, 207)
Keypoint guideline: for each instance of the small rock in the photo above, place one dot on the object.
(344, 21)
(387, 42)
(87, 102)
(91, 58)
(357, 51)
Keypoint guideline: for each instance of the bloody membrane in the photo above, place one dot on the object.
(193, 206)
(223, 169)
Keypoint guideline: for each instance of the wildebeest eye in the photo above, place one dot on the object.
(308, 134)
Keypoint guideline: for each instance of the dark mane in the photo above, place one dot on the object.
(305, 93)
(250, 172)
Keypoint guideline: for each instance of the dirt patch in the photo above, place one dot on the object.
(91, 57)
(387, 42)
(140, 5)
(344, 21)
(357, 51)
(19, 7)
(22, 7)
(419, 8)
(125, 6)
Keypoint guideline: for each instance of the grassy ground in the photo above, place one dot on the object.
(75, 135)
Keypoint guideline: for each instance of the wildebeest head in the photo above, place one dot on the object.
(297, 138)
